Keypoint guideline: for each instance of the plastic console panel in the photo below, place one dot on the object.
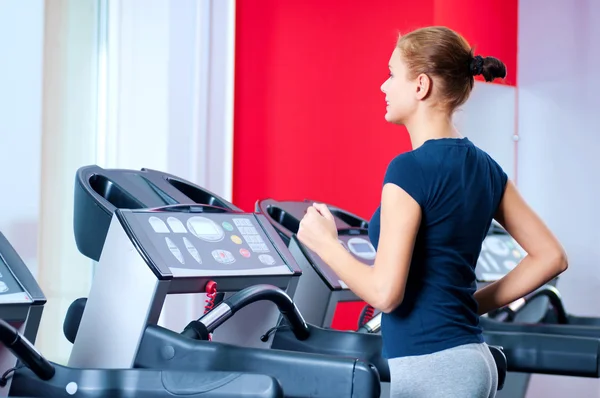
(300, 374)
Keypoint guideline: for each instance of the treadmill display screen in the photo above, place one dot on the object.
(10, 290)
(500, 253)
(358, 246)
(202, 228)
(211, 244)
(362, 248)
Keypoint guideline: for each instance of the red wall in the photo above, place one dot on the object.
(308, 109)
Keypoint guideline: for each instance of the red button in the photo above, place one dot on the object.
(245, 253)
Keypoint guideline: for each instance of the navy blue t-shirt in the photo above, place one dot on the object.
(459, 188)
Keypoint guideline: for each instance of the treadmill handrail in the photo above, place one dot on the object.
(373, 326)
(352, 231)
(509, 312)
(492, 325)
(225, 310)
(548, 354)
(555, 299)
(193, 208)
(25, 351)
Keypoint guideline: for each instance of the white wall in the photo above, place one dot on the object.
(68, 141)
(488, 119)
(558, 151)
(21, 41)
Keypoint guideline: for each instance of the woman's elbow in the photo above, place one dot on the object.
(388, 303)
(554, 260)
(560, 261)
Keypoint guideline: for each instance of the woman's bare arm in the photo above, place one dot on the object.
(545, 258)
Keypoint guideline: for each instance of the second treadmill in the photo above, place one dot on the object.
(528, 348)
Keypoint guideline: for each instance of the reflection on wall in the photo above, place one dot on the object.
(488, 119)
(558, 150)
(21, 40)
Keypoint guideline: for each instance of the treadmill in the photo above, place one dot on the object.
(24, 372)
(92, 203)
(161, 348)
(546, 350)
(319, 284)
(542, 311)
(543, 306)
(145, 254)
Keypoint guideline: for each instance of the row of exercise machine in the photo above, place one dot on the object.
(271, 326)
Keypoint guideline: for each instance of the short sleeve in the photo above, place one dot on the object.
(405, 172)
(501, 178)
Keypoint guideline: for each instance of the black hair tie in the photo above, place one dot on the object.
(477, 65)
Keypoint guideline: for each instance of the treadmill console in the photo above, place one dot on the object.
(182, 244)
(356, 243)
(352, 234)
(21, 306)
(11, 291)
(500, 253)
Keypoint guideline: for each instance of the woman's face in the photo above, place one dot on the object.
(399, 91)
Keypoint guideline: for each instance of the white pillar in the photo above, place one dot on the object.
(169, 99)
(22, 43)
(68, 141)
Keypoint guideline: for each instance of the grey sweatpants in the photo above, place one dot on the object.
(466, 371)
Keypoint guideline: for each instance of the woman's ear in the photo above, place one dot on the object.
(423, 86)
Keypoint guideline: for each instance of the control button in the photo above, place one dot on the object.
(248, 230)
(266, 259)
(175, 250)
(205, 229)
(158, 225)
(236, 239)
(497, 245)
(258, 247)
(176, 225)
(492, 261)
(362, 248)
(3, 287)
(242, 222)
(227, 226)
(192, 250)
(223, 256)
(253, 239)
(509, 264)
(482, 262)
(245, 253)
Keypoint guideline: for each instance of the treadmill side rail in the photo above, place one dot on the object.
(146, 383)
(548, 354)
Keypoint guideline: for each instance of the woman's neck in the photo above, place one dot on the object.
(430, 125)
